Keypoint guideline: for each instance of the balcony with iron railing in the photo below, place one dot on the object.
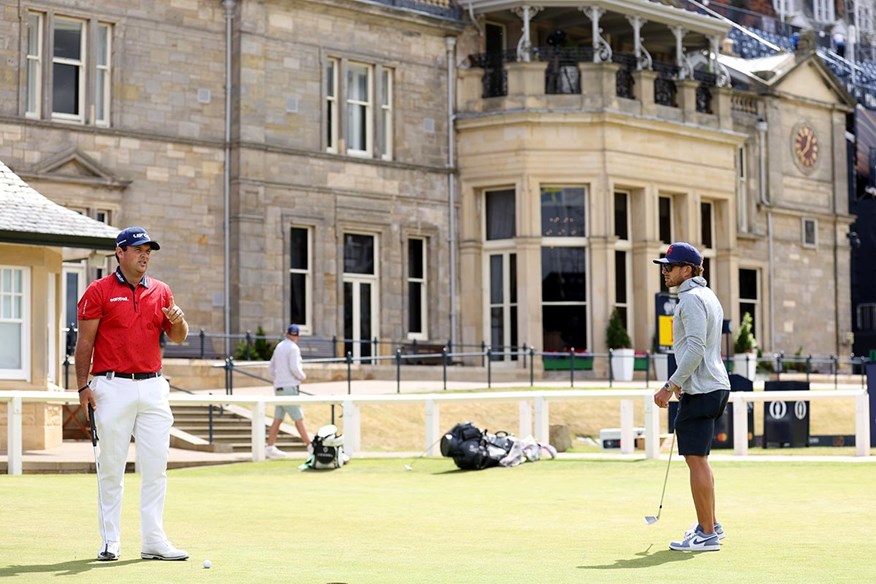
(567, 78)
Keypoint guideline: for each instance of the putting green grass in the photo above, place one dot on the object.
(576, 521)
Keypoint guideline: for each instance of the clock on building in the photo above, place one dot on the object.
(806, 146)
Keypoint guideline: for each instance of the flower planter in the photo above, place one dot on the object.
(622, 361)
(582, 363)
(745, 364)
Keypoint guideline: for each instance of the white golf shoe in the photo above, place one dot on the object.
(272, 452)
(109, 552)
(163, 551)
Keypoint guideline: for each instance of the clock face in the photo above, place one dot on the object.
(806, 146)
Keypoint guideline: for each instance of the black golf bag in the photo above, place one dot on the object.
(474, 449)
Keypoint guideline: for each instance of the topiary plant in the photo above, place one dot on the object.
(261, 349)
(745, 341)
(616, 336)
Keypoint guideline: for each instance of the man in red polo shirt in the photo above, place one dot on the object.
(121, 318)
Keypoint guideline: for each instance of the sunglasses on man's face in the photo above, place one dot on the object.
(666, 268)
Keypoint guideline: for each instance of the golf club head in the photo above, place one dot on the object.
(651, 519)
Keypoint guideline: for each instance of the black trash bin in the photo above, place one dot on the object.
(786, 423)
(723, 437)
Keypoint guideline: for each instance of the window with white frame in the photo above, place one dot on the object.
(622, 250)
(749, 297)
(331, 104)
(34, 64)
(564, 268)
(102, 75)
(359, 111)
(823, 10)
(865, 17)
(707, 238)
(810, 232)
(664, 209)
(68, 69)
(384, 123)
(418, 301)
(300, 284)
(742, 189)
(360, 92)
(14, 323)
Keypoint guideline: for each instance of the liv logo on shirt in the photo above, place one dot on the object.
(119, 299)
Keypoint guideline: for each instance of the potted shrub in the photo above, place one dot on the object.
(745, 349)
(618, 340)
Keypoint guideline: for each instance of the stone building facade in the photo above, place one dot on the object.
(345, 182)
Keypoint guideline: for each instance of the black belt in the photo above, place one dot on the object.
(111, 374)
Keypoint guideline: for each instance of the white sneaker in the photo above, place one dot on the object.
(719, 530)
(697, 542)
(163, 551)
(273, 452)
(109, 552)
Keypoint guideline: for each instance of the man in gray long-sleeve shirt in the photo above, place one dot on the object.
(286, 370)
(700, 383)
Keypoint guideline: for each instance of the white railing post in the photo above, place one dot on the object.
(628, 442)
(652, 428)
(433, 426)
(525, 428)
(352, 436)
(862, 424)
(740, 423)
(13, 445)
(258, 431)
(542, 420)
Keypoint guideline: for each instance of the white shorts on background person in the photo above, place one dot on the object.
(126, 407)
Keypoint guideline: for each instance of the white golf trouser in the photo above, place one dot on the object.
(139, 407)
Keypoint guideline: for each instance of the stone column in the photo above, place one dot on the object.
(644, 88)
(687, 98)
(599, 84)
(525, 84)
(470, 89)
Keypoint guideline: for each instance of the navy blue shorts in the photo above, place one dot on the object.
(695, 421)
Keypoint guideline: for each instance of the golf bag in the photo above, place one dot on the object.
(474, 449)
(328, 449)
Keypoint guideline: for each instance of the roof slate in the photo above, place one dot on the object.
(25, 211)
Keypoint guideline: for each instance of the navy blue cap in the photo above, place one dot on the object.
(135, 236)
(293, 330)
(681, 253)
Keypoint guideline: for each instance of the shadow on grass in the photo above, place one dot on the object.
(70, 568)
(643, 560)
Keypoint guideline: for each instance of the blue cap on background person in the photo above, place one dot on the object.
(135, 236)
(293, 330)
(681, 253)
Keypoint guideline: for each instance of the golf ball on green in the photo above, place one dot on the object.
(208, 564)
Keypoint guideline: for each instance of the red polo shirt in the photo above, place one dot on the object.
(131, 322)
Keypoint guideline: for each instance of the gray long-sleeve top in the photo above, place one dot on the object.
(696, 331)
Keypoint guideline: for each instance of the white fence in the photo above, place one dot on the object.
(534, 408)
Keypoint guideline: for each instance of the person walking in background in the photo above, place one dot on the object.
(287, 373)
(121, 318)
(700, 383)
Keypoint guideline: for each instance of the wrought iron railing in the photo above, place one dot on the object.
(624, 77)
(665, 90)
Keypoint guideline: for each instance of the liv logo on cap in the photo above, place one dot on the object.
(135, 236)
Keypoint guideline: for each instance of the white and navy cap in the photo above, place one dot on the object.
(135, 236)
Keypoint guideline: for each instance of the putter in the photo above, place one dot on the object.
(410, 466)
(652, 519)
(94, 440)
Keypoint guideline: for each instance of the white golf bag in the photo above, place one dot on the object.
(328, 449)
